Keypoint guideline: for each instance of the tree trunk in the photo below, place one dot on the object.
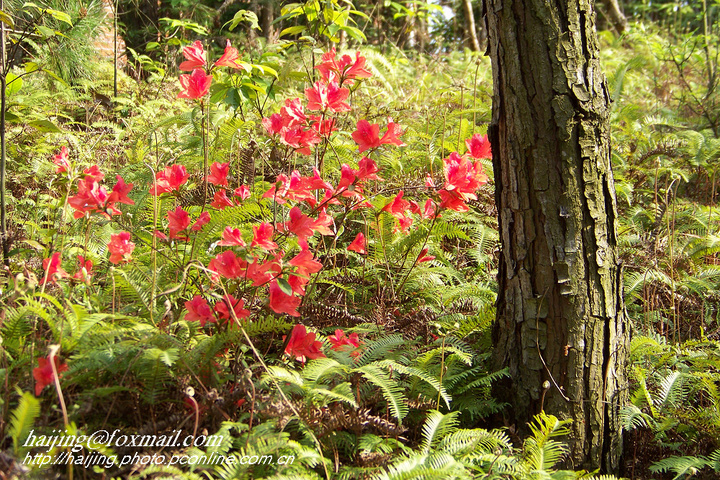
(268, 15)
(474, 44)
(615, 15)
(561, 328)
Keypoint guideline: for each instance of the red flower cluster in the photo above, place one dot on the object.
(61, 160)
(345, 70)
(120, 248)
(367, 135)
(199, 309)
(197, 84)
(340, 342)
(301, 132)
(462, 179)
(303, 346)
(479, 146)
(92, 197)
(261, 272)
(44, 374)
(169, 180)
(53, 268)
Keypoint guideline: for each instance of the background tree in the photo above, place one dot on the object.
(560, 326)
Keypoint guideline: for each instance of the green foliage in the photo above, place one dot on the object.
(22, 420)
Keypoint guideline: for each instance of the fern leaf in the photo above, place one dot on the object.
(22, 419)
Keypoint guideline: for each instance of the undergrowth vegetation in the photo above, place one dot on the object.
(292, 249)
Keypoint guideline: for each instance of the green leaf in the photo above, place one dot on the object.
(355, 33)
(45, 126)
(6, 19)
(45, 32)
(55, 76)
(192, 26)
(152, 46)
(60, 16)
(285, 286)
(11, 117)
(13, 83)
(31, 67)
(244, 16)
(293, 30)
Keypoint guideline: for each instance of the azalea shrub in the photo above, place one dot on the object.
(193, 276)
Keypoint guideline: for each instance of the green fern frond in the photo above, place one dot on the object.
(22, 419)
(390, 389)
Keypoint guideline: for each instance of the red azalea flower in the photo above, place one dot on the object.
(196, 85)
(53, 267)
(367, 136)
(324, 128)
(262, 237)
(299, 224)
(397, 207)
(218, 174)
(279, 189)
(345, 69)
(275, 123)
(44, 374)
(429, 209)
(223, 308)
(322, 224)
(229, 58)
(280, 302)
(297, 283)
(453, 201)
(195, 57)
(179, 222)
(305, 263)
(243, 192)
(299, 187)
(294, 112)
(202, 220)
(347, 177)
(120, 247)
(232, 237)
(328, 95)
(359, 245)
(339, 340)
(429, 182)
(61, 160)
(463, 176)
(199, 310)
(221, 200)
(479, 146)
(170, 179)
(228, 265)
(303, 346)
(94, 173)
(84, 271)
(367, 168)
(120, 191)
(404, 222)
(299, 139)
(90, 197)
(260, 274)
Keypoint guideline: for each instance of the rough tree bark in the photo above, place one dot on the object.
(561, 326)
